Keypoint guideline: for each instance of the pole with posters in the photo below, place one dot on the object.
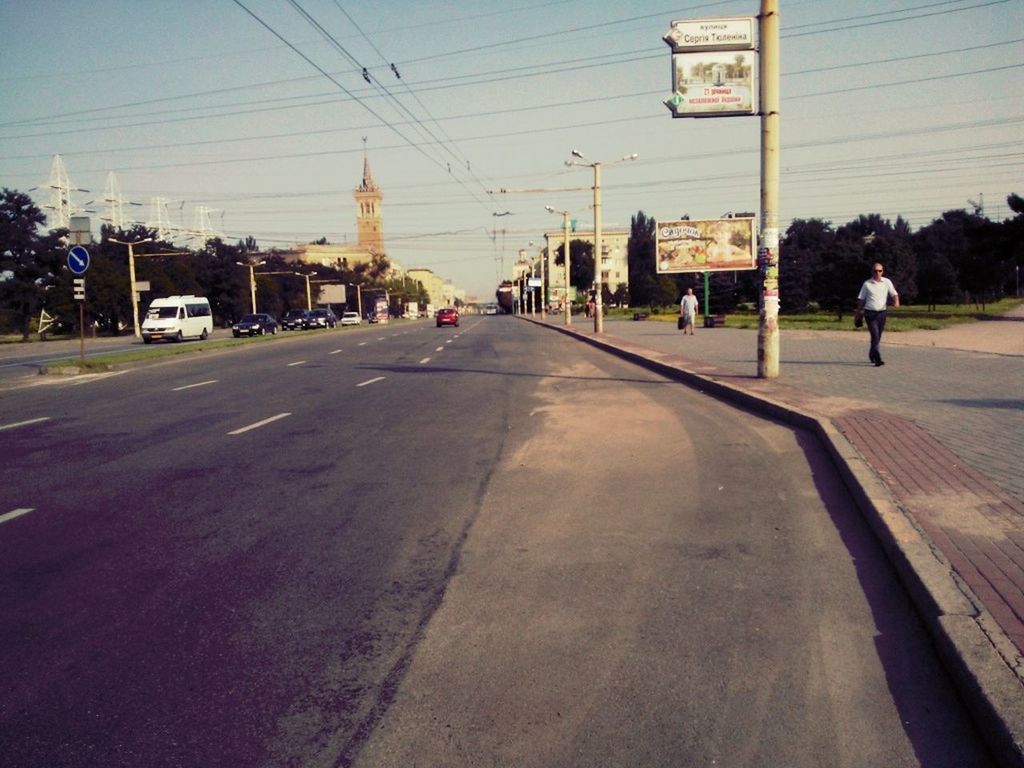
(768, 256)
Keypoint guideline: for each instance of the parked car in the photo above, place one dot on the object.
(321, 318)
(294, 320)
(448, 316)
(256, 324)
(350, 318)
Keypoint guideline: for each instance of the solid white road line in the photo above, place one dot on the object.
(297, 362)
(15, 513)
(424, 361)
(190, 386)
(259, 424)
(23, 423)
(371, 381)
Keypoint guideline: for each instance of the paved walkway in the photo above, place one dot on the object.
(940, 432)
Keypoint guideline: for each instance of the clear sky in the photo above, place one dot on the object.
(258, 109)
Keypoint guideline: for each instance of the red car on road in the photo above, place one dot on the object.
(448, 316)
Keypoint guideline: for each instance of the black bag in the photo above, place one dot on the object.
(679, 323)
(858, 321)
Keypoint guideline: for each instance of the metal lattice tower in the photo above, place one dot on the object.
(60, 195)
(202, 227)
(160, 219)
(115, 203)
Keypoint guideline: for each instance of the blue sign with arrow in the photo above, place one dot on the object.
(78, 260)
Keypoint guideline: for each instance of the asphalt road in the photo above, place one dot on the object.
(406, 545)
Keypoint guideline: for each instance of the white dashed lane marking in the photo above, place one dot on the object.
(371, 381)
(15, 513)
(24, 423)
(192, 386)
(259, 424)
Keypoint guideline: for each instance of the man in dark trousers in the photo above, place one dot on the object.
(872, 301)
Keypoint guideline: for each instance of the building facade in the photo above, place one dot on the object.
(614, 261)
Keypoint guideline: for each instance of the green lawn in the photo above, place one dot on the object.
(906, 318)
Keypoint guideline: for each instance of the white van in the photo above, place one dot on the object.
(177, 318)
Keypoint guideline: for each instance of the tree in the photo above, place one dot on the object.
(29, 262)
(642, 260)
(581, 264)
(802, 252)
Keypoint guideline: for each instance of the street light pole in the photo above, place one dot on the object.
(599, 315)
(252, 279)
(565, 255)
(309, 295)
(768, 323)
(131, 280)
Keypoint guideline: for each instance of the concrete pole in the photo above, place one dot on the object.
(252, 286)
(598, 316)
(135, 293)
(565, 255)
(768, 257)
(543, 286)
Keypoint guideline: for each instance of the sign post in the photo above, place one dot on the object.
(78, 263)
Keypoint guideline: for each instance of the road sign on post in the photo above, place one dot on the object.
(78, 260)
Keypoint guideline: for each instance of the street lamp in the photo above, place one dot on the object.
(131, 279)
(598, 318)
(252, 279)
(309, 295)
(565, 255)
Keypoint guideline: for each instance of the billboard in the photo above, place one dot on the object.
(713, 84)
(705, 245)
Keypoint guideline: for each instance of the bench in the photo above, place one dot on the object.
(714, 321)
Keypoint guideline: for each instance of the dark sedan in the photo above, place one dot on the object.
(295, 320)
(256, 324)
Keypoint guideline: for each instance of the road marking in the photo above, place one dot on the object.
(298, 362)
(381, 338)
(190, 386)
(335, 351)
(90, 377)
(15, 513)
(424, 361)
(439, 349)
(259, 424)
(362, 343)
(449, 341)
(23, 423)
(371, 381)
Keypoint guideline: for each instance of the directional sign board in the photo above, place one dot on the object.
(78, 260)
(79, 288)
(714, 67)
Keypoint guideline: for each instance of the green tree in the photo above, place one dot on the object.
(801, 255)
(29, 261)
(641, 259)
(581, 264)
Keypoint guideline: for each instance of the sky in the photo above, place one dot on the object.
(256, 115)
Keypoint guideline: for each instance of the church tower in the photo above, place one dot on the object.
(369, 218)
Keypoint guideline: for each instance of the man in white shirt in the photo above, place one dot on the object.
(688, 307)
(872, 301)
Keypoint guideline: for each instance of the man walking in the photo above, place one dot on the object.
(872, 301)
(688, 310)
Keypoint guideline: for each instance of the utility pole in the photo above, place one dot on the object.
(768, 258)
(131, 279)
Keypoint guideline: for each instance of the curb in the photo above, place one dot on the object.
(964, 635)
